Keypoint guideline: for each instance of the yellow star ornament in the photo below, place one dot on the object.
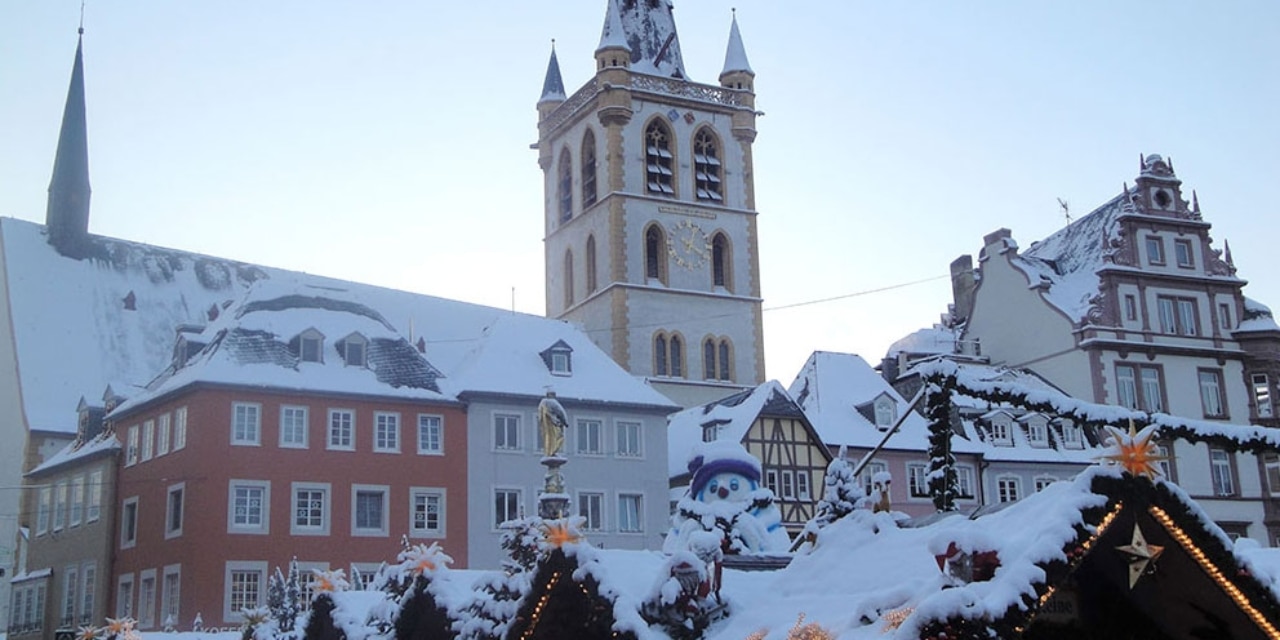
(1134, 451)
(560, 533)
(1141, 555)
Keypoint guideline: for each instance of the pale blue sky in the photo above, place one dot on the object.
(387, 142)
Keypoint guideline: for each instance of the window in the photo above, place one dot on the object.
(363, 574)
(628, 445)
(43, 512)
(430, 435)
(245, 423)
(506, 506)
(1000, 433)
(173, 512)
(592, 282)
(591, 507)
(131, 447)
(248, 507)
(342, 426)
(89, 584)
(245, 582)
(170, 595)
(1262, 395)
(1043, 481)
(1155, 250)
(1211, 398)
(886, 410)
(386, 432)
(1224, 314)
(353, 350)
(147, 598)
(867, 477)
(655, 250)
(1147, 396)
(658, 160)
(124, 596)
(917, 480)
(506, 432)
(568, 278)
(1272, 463)
(148, 439)
(588, 437)
(1072, 436)
(426, 512)
(1182, 254)
(1009, 489)
(630, 508)
(1177, 316)
(1130, 308)
(179, 428)
(1038, 431)
(310, 509)
(788, 484)
(771, 481)
(293, 427)
(706, 167)
(162, 434)
(1223, 479)
(1166, 462)
(369, 510)
(588, 169)
(93, 507)
(70, 596)
(715, 359)
(964, 481)
(668, 356)
(803, 492)
(564, 179)
(720, 261)
(129, 523)
(559, 362)
(59, 506)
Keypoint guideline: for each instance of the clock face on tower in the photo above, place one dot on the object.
(689, 246)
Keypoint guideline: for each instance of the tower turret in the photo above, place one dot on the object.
(737, 73)
(552, 87)
(613, 51)
(67, 215)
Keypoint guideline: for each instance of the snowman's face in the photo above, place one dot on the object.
(729, 487)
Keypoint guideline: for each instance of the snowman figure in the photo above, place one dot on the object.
(725, 486)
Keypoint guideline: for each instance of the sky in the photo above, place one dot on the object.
(388, 142)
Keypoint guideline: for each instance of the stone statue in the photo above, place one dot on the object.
(552, 422)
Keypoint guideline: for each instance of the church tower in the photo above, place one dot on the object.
(650, 222)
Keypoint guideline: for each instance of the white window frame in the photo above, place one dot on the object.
(1014, 482)
(131, 447)
(965, 476)
(289, 429)
(917, 480)
(1155, 250)
(804, 491)
(124, 596)
(169, 530)
(326, 508)
(128, 527)
(179, 428)
(426, 531)
(592, 521)
(70, 595)
(93, 507)
(88, 586)
(515, 428)
(366, 572)
(560, 365)
(1263, 404)
(625, 527)
(430, 434)
(260, 528)
(1184, 253)
(1002, 431)
(583, 437)
(623, 442)
(771, 481)
(44, 512)
(1040, 482)
(307, 570)
(245, 567)
(386, 432)
(788, 477)
(148, 440)
(886, 411)
(1072, 435)
(517, 505)
(868, 475)
(170, 599)
(1038, 431)
(384, 528)
(248, 433)
(350, 435)
(1224, 484)
(1212, 397)
(147, 598)
(59, 506)
(163, 428)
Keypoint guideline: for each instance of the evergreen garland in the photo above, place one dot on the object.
(942, 464)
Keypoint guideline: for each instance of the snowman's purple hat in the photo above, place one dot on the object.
(713, 459)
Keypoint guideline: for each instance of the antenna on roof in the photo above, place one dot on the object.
(1066, 209)
(81, 30)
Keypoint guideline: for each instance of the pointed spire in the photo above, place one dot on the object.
(67, 215)
(1195, 202)
(647, 29)
(735, 55)
(1226, 252)
(613, 36)
(553, 84)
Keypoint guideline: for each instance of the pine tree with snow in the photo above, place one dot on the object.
(320, 624)
(489, 615)
(840, 494)
(291, 607)
(942, 464)
(275, 601)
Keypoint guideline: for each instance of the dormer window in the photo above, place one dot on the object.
(886, 412)
(353, 348)
(1037, 430)
(559, 358)
(308, 346)
(1072, 436)
(1001, 428)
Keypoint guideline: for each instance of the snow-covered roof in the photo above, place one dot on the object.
(649, 31)
(732, 416)
(735, 55)
(935, 339)
(1066, 263)
(553, 84)
(1257, 318)
(78, 450)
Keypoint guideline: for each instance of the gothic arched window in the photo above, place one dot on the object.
(568, 279)
(658, 160)
(707, 170)
(709, 359)
(588, 169)
(591, 264)
(677, 357)
(724, 360)
(716, 359)
(565, 187)
(655, 253)
(660, 366)
(720, 275)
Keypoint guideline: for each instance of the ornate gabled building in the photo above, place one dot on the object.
(651, 239)
(1132, 305)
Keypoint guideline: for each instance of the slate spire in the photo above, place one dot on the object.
(553, 84)
(735, 55)
(648, 29)
(67, 215)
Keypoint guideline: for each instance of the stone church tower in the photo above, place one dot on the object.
(651, 240)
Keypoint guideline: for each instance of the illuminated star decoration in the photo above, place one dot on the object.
(329, 581)
(560, 533)
(119, 626)
(894, 618)
(421, 559)
(1134, 451)
(87, 633)
(1141, 555)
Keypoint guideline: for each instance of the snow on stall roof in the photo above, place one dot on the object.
(77, 450)
(732, 415)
